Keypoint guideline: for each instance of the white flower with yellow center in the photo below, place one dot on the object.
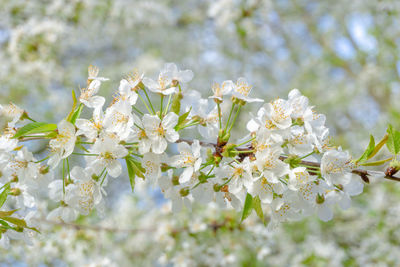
(139, 135)
(63, 144)
(242, 89)
(298, 177)
(91, 128)
(269, 164)
(118, 119)
(162, 86)
(88, 97)
(7, 142)
(276, 115)
(176, 75)
(12, 112)
(189, 158)
(127, 92)
(151, 163)
(265, 190)
(85, 193)
(336, 167)
(220, 90)
(160, 131)
(109, 151)
(238, 174)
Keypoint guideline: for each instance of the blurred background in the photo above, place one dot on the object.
(343, 55)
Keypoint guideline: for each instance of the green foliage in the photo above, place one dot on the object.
(257, 207)
(393, 141)
(367, 153)
(134, 169)
(35, 127)
(248, 207)
(4, 194)
(182, 121)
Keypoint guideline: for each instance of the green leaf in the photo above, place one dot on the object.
(35, 127)
(176, 103)
(6, 213)
(4, 194)
(248, 205)
(257, 207)
(76, 114)
(16, 221)
(368, 151)
(131, 172)
(5, 225)
(73, 106)
(182, 120)
(393, 142)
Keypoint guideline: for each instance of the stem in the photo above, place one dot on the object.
(139, 127)
(42, 159)
(147, 107)
(148, 99)
(234, 119)
(63, 174)
(245, 142)
(309, 154)
(376, 163)
(138, 111)
(190, 124)
(161, 106)
(69, 173)
(169, 102)
(229, 118)
(83, 154)
(244, 151)
(102, 181)
(219, 115)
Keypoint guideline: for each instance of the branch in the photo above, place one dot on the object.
(364, 174)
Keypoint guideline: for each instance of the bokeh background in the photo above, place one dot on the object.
(343, 55)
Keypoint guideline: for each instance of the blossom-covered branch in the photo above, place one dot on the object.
(282, 166)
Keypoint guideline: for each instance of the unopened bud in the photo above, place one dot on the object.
(340, 187)
(298, 121)
(44, 169)
(217, 187)
(175, 180)
(15, 192)
(320, 199)
(184, 192)
(95, 177)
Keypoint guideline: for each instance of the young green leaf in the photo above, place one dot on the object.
(6, 213)
(182, 120)
(393, 142)
(4, 194)
(257, 207)
(368, 151)
(131, 172)
(248, 207)
(16, 221)
(35, 127)
(76, 114)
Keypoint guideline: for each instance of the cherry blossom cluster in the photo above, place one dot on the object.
(282, 168)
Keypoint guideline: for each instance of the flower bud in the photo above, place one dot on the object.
(44, 169)
(15, 192)
(175, 180)
(95, 177)
(320, 199)
(217, 187)
(184, 192)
